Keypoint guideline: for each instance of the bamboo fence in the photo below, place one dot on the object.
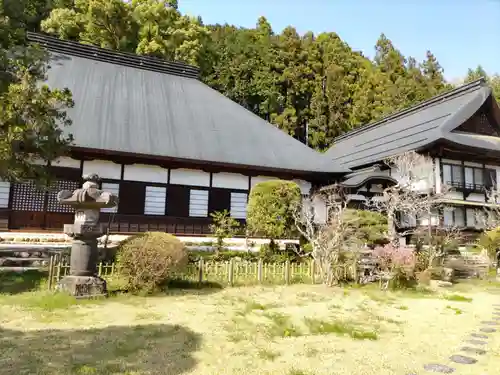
(229, 272)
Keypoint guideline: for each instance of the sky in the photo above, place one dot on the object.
(460, 33)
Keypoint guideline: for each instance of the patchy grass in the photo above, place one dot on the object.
(455, 309)
(299, 329)
(457, 298)
(267, 355)
(353, 330)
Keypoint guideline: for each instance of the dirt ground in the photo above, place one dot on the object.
(286, 330)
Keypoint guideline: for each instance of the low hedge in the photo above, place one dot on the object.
(226, 255)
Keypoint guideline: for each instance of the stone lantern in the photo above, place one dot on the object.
(83, 280)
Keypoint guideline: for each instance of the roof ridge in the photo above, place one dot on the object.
(132, 60)
(417, 107)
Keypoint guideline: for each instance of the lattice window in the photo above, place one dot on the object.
(155, 201)
(4, 194)
(239, 205)
(27, 197)
(52, 204)
(198, 203)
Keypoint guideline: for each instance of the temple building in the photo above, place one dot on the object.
(175, 150)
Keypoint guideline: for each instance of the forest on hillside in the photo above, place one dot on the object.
(297, 82)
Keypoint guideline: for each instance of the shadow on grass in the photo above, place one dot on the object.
(20, 282)
(142, 349)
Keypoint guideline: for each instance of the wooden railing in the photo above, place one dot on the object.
(230, 272)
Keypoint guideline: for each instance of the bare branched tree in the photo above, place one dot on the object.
(489, 216)
(333, 242)
(414, 196)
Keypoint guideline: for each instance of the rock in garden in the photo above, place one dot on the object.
(463, 359)
(444, 284)
(436, 367)
(476, 342)
(479, 335)
(473, 350)
(487, 329)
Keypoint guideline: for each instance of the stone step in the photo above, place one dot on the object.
(20, 269)
(14, 259)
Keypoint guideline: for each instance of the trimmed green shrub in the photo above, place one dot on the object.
(148, 260)
(370, 226)
(270, 209)
(490, 241)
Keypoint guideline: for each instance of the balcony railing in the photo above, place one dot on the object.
(468, 187)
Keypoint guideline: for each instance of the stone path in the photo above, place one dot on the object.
(477, 345)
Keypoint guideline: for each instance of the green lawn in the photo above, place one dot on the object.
(283, 330)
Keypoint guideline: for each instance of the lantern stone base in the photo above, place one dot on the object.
(83, 286)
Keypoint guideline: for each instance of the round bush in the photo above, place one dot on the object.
(148, 260)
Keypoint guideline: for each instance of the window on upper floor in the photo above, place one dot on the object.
(469, 177)
(453, 175)
(490, 177)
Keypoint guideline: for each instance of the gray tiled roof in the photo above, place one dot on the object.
(412, 129)
(124, 108)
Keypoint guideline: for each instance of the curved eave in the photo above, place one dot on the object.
(480, 144)
(358, 181)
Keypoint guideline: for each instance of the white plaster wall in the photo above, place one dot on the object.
(437, 175)
(4, 194)
(230, 181)
(451, 161)
(66, 162)
(190, 177)
(104, 168)
(476, 197)
(320, 210)
(257, 179)
(305, 186)
(472, 164)
(356, 197)
(145, 173)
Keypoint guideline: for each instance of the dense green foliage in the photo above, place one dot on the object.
(311, 86)
(148, 260)
(270, 209)
(32, 114)
(490, 241)
(265, 256)
(223, 226)
(370, 226)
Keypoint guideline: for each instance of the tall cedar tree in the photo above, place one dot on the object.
(32, 115)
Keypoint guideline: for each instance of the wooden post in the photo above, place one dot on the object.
(51, 272)
(99, 271)
(230, 276)
(287, 272)
(59, 265)
(312, 270)
(260, 276)
(112, 269)
(200, 271)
